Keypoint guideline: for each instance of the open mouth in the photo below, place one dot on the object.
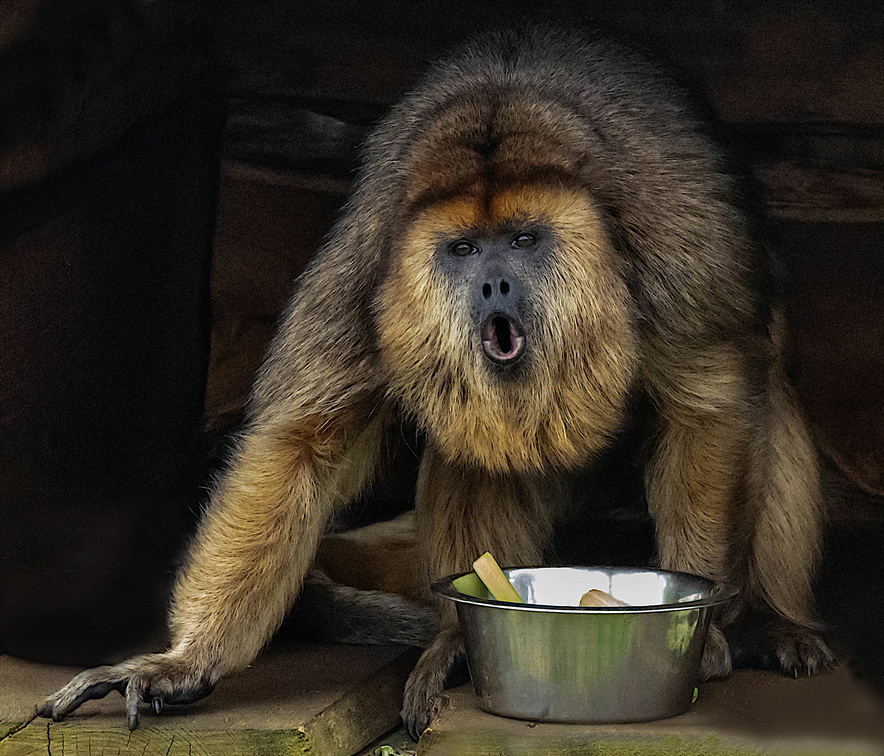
(503, 340)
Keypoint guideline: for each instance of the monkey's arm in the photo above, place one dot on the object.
(462, 512)
(254, 546)
(317, 417)
(734, 489)
(693, 489)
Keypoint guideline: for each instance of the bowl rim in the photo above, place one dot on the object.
(721, 593)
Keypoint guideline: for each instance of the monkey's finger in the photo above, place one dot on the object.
(133, 696)
(72, 696)
(96, 690)
(804, 655)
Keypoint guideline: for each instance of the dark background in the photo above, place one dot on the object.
(167, 169)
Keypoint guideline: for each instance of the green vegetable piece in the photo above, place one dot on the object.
(471, 585)
(498, 586)
(695, 696)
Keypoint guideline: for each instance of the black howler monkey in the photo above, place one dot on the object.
(541, 230)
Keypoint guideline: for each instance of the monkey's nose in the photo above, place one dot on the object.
(496, 287)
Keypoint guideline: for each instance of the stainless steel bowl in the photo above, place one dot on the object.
(551, 660)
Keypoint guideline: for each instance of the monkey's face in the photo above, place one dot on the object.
(495, 273)
(505, 328)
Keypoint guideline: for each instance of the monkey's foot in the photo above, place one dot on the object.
(427, 681)
(769, 642)
(157, 679)
(716, 660)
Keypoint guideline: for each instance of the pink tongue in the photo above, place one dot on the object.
(493, 350)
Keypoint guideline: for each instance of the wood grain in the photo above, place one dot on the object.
(296, 699)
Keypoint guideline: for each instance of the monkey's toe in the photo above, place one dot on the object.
(418, 706)
(160, 687)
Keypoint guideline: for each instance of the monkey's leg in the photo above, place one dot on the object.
(786, 542)
(253, 548)
(461, 513)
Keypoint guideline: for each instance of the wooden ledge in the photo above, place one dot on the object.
(297, 698)
(752, 712)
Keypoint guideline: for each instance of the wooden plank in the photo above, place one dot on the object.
(750, 713)
(41, 738)
(811, 191)
(267, 229)
(296, 698)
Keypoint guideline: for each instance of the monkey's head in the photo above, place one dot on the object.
(505, 323)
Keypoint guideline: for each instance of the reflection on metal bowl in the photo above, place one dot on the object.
(551, 660)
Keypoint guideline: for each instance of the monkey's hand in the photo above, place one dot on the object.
(157, 679)
(427, 680)
(766, 642)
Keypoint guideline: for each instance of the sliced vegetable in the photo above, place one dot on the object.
(471, 585)
(596, 597)
(495, 581)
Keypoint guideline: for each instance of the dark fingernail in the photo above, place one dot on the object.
(133, 721)
(157, 704)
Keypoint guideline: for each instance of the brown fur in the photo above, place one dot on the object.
(546, 420)
(379, 557)
(647, 280)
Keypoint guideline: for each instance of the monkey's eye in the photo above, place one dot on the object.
(523, 241)
(462, 248)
